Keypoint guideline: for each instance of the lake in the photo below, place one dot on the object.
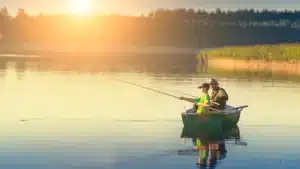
(65, 119)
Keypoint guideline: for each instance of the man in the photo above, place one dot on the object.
(202, 102)
(219, 96)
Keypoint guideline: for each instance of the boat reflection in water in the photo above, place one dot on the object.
(210, 147)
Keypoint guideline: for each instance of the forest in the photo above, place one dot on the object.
(163, 27)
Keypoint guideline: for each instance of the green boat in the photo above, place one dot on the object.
(214, 121)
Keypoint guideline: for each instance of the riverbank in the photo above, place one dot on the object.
(249, 75)
(282, 67)
(283, 59)
(280, 52)
(254, 69)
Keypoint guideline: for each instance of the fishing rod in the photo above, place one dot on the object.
(183, 93)
(167, 94)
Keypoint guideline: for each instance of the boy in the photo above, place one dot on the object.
(202, 102)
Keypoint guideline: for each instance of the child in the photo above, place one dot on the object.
(202, 102)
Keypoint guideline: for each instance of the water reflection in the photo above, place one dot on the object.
(203, 63)
(159, 68)
(92, 68)
(76, 113)
(210, 147)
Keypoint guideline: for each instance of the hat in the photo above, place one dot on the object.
(204, 85)
(213, 81)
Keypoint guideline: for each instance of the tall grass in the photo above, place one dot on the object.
(281, 52)
(261, 75)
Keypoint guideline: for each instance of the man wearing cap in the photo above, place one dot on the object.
(219, 96)
(202, 102)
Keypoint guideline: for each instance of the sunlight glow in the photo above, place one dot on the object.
(81, 7)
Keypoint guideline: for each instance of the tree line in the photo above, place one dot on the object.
(176, 27)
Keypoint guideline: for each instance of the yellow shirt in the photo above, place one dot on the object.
(204, 99)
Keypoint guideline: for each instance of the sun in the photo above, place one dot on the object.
(81, 7)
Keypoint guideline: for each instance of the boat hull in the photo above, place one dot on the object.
(212, 124)
(231, 120)
(212, 120)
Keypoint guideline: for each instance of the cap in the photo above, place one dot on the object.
(204, 85)
(213, 81)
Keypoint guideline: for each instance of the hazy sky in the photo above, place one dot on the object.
(144, 6)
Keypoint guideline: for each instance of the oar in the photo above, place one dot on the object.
(147, 88)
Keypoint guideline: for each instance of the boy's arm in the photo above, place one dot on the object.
(192, 100)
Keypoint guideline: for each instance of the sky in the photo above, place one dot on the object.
(137, 7)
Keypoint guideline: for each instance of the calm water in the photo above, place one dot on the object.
(64, 120)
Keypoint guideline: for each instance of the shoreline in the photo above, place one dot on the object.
(282, 67)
